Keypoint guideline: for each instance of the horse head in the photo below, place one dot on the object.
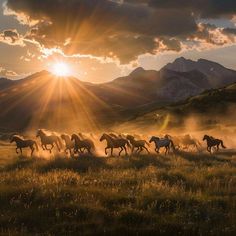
(74, 137)
(130, 137)
(103, 137)
(12, 139)
(152, 139)
(205, 137)
(39, 133)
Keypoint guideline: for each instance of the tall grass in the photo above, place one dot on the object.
(186, 194)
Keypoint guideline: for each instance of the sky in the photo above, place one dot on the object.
(101, 40)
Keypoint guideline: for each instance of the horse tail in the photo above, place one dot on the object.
(36, 145)
(172, 144)
(222, 144)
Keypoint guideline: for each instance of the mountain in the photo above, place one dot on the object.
(4, 83)
(45, 100)
(215, 108)
(145, 86)
(218, 76)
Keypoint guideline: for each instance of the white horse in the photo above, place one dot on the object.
(162, 142)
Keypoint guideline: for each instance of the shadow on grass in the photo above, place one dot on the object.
(81, 164)
(142, 161)
(86, 163)
(203, 158)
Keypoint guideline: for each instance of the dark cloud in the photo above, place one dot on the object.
(11, 36)
(115, 28)
(203, 8)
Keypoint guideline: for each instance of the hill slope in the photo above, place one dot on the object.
(44, 100)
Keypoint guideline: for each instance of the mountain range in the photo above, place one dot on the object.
(43, 99)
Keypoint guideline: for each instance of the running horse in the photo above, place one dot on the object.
(212, 142)
(49, 140)
(68, 143)
(162, 142)
(139, 144)
(113, 142)
(24, 143)
(82, 145)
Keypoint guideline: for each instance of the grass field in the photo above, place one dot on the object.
(182, 194)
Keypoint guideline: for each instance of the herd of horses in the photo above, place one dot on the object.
(79, 144)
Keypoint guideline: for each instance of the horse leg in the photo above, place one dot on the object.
(157, 150)
(218, 147)
(140, 150)
(51, 148)
(17, 150)
(146, 149)
(32, 150)
(208, 149)
(112, 151)
(121, 150)
(126, 153)
(21, 151)
(43, 146)
(89, 150)
(132, 150)
(166, 150)
(58, 148)
(106, 150)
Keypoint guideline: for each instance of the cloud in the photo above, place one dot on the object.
(11, 37)
(7, 73)
(201, 8)
(118, 29)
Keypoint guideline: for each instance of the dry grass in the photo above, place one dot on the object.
(186, 194)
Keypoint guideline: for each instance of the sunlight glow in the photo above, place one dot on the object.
(61, 69)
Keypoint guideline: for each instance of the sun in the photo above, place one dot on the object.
(61, 69)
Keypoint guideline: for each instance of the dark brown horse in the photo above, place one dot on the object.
(82, 145)
(113, 142)
(212, 142)
(138, 144)
(24, 143)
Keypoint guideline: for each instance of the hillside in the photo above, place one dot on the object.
(44, 100)
(212, 107)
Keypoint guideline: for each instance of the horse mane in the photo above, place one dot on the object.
(17, 136)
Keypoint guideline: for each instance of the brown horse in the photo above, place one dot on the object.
(139, 144)
(188, 141)
(115, 143)
(82, 145)
(49, 140)
(212, 142)
(24, 143)
(68, 143)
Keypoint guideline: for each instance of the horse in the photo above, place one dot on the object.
(212, 142)
(24, 143)
(49, 140)
(115, 143)
(139, 144)
(162, 142)
(68, 143)
(82, 145)
(188, 141)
